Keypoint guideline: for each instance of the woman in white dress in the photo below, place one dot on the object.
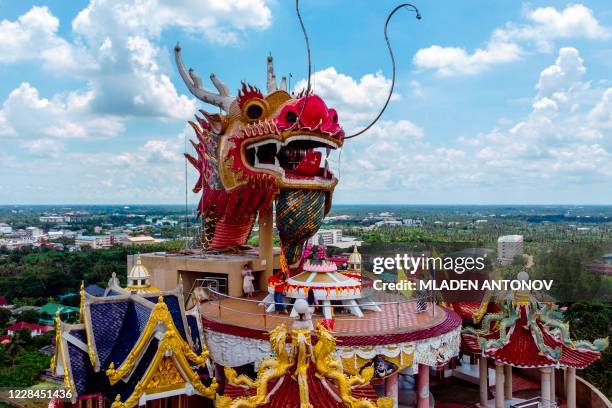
(247, 281)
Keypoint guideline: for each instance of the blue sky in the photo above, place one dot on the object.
(496, 101)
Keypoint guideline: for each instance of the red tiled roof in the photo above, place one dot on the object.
(450, 322)
(521, 350)
(29, 326)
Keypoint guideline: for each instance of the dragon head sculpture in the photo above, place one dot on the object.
(261, 149)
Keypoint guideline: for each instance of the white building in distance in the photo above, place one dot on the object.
(509, 246)
(54, 219)
(333, 237)
(94, 241)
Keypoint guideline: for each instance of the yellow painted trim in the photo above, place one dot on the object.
(159, 314)
(61, 353)
(303, 353)
(172, 343)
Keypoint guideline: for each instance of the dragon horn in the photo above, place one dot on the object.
(194, 83)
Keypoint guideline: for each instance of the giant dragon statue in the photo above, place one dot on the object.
(267, 149)
(262, 149)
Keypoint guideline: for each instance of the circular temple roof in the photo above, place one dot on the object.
(139, 271)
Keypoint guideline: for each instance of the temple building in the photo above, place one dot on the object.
(230, 325)
(529, 334)
(133, 348)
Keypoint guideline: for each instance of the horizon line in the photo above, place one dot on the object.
(334, 204)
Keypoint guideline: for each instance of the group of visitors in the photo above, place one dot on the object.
(279, 291)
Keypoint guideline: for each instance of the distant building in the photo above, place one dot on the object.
(601, 266)
(509, 246)
(54, 219)
(51, 235)
(34, 232)
(335, 218)
(410, 222)
(140, 240)
(326, 237)
(390, 223)
(35, 329)
(5, 229)
(94, 241)
(332, 237)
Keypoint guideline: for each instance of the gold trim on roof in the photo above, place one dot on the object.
(143, 288)
(82, 304)
(171, 344)
(300, 358)
(269, 369)
(89, 334)
(83, 319)
(159, 314)
(60, 352)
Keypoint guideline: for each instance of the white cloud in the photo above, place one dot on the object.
(44, 147)
(135, 84)
(449, 61)
(509, 43)
(564, 144)
(565, 73)
(28, 115)
(559, 140)
(602, 112)
(33, 36)
(548, 24)
(114, 50)
(219, 20)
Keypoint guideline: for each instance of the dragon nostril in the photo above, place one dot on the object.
(335, 118)
(291, 117)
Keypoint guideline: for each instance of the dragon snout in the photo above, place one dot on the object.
(310, 113)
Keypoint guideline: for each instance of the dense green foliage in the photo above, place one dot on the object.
(591, 320)
(20, 361)
(30, 276)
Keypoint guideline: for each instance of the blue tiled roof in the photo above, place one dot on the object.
(116, 327)
(89, 382)
(174, 308)
(95, 290)
(82, 371)
(125, 389)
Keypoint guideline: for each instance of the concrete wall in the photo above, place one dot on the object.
(165, 269)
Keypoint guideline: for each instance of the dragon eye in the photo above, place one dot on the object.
(254, 111)
(335, 118)
(291, 117)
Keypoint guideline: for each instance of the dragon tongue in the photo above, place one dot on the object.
(309, 165)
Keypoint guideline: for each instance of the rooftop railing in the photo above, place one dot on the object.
(397, 312)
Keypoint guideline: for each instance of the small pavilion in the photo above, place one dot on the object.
(529, 334)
